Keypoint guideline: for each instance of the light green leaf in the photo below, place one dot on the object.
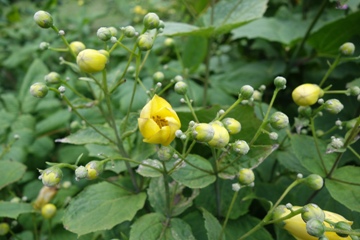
(101, 207)
(194, 44)
(180, 29)
(10, 171)
(344, 186)
(154, 226)
(13, 210)
(57, 120)
(88, 135)
(147, 171)
(212, 225)
(197, 172)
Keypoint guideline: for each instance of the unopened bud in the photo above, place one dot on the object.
(307, 94)
(113, 31)
(280, 82)
(43, 19)
(52, 78)
(221, 135)
(77, 47)
(354, 90)
(180, 88)
(279, 120)
(151, 21)
(203, 132)
(314, 181)
(273, 136)
(312, 211)
(48, 210)
(333, 106)
(129, 31)
(337, 143)
(169, 42)
(165, 153)
(51, 176)
(39, 90)
(246, 92)
(315, 227)
(342, 226)
(257, 96)
(44, 45)
(246, 176)
(279, 212)
(232, 125)
(94, 169)
(178, 78)
(4, 229)
(81, 172)
(241, 146)
(347, 49)
(104, 34)
(158, 76)
(145, 42)
(91, 61)
(305, 111)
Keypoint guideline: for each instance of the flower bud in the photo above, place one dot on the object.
(43, 19)
(51, 176)
(180, 88)
(232, 125)
(151, 21)
(305, 111)
(52, 78)
(145, 42)
(257, 96)
(337, 143)
(314, 181)
(342, 226)
(94, 169)
(221, 135)
(273, 136)
(240, 146)
(333, 106)
(347, 49)
(4, 228)
(77, 47)
(113, 31)
(354, 90)
(169, 42)
(91, 61)
(158, 76)
(45, 195)
(279, 212)
(307, 94)
(315, 227)
(246, 176)
(39, 90)
(48, 210)
(178, 78)
(312, 211)
(129, 31)
(203, 132)
(104, 34)
(246, 92)
(44, 45)
(165, 153)
(105, 53)
(280, 82)
(279, 120)
(81, 172)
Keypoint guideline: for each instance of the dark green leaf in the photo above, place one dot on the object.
(194, 52)
(88, 135)
(13, 210)
(212, 226)
(53, 122)
(10, 171)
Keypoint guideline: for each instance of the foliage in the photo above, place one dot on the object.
(199, 63)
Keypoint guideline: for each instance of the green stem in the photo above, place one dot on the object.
(312, 126)
(167, 191)
(228, 213)
(354, 152)
(188, 102)
(237, 102)
(329, 71)
(65, 41)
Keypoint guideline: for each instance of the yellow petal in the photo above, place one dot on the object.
(148, 127)
(161, 137)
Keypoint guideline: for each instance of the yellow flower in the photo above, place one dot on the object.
(297, 227)
(307, 94)
(158, 122)
(91, 61)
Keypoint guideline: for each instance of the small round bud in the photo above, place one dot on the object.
(43, 19)
(314, 181)
(235, 187)
(52, 78)
(169, 42)
(48, 210)
(279, 120)
(39, 90)
(51, 176)
(165, 153)
(161, 26)
(104, 34)
(62, 89)
(347, 49)
(305, 111)
(299, 176)
(178, 78)
(232, 125)
(246, 92)
(337, 143)
(44, 46)
(279, 212)
(180, 88)
(246, 176)
(4, 228)
(145, 42)
(320, 101)
(61, 32)
(129, 31)
(151, 21)
(342, 226)
(354, 90)
(338, 123)
(94, 169)
(333, 106)
(289, 206)
(221, 135)
(113, 31)
(66, 184)
(312, 211)
(273, 136)
(203, 132)
(240, 146)
(280, 82)
(221, 112)
(91, 61)
(307, 94)
(315, 227)
(257, 96)
(81, 172)
(77, 47)
(158, 76)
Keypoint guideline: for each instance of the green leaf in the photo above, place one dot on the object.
(231, 14)
(55, 121)
(306, 152)
(13, 210)
(212, 225)
(197, 172)
(88, 135)
(147, 171)
(100, 207)
(10, 171)
(329, 38)
(154, 226)
(11, 103)
(183, 29)
(344, 186)
(194, 44)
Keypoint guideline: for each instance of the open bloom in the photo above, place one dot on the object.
(158, 122)
(297, 227)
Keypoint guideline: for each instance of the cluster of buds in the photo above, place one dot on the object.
(91, 170)
(151, 21)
